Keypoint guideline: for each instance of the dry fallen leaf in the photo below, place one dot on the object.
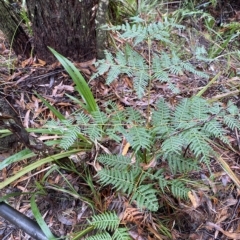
(226, 233)
(195, 200)
(125, 148)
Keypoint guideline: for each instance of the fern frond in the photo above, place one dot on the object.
(161, 118)
(140, 82)
(178, 189)
(190, 68)
(114, 134)
(140, 70)
(199, 144)
(94, 132)
(162, 182)
(99, 117)
(158, 176)
(202, 55)
(198, 108)
(138, 137)
(106, 221)
(145, 195)
(121, 234)
(159, 31)
(82, 119)
(176, 64)
(182, 115)
(121, 180)
(233, 109)
(133, 116)
(117, 161)
(100, 236)
(121, 58)
(173, 146)
(54, 126)
(231, 122)
(215, 109)
(182, 165)
(215, 129)
(135, 31)
(165, 61)
(113, 73)
(70, 136)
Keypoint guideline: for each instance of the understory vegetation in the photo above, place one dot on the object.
(154, 152)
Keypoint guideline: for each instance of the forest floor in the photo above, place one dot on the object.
(212, 212)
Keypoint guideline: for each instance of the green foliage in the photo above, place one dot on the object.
(179, 189)
(137, 66)
(107, 221)
(180, 136)
(108, 226)
(100, 236)
(40, 220)
(81, 85)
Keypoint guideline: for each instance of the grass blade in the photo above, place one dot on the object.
(40, 220)
(81, 85)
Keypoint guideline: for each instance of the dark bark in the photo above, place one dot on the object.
(10, 25)
(68, 26)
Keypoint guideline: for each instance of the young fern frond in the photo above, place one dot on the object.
(108, 221)
(134, 31)
(114, 134)
(233, 109)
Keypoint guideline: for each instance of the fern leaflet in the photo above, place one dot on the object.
(146, 197)
(121, 234)
(100, 236)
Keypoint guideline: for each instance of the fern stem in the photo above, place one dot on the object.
(149, 83)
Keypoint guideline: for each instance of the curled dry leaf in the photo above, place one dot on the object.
(132, 215)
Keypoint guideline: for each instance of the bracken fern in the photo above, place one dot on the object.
(108, 227)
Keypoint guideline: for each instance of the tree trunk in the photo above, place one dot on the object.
(101, 21)
(68, 26)
(10, 24)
